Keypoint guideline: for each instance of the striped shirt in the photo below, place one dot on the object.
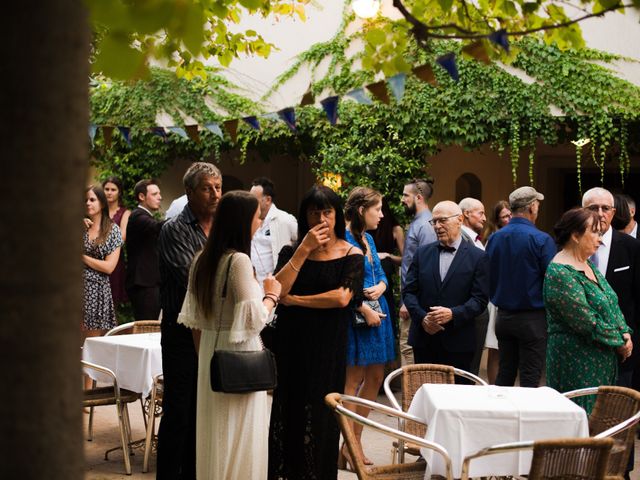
(180, 239)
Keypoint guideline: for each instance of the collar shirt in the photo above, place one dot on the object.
(473, 237)
(634, 232)
(602, 255)
(519, 254)
(180, 239)
(261, 249)
(420, 233)
(145, 209)
(446, 258)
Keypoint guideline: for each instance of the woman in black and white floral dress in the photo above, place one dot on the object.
(101, 250)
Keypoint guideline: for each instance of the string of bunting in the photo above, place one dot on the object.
(379, 90)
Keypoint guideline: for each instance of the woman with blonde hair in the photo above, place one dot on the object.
(226, 309)
(101, 245)
(370, 343)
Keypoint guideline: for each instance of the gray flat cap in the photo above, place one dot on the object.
(523, 196)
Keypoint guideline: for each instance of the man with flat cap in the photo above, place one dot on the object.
(519, 254)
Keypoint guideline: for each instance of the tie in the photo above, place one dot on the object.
(446, 248)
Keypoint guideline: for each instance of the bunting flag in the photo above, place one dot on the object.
(126, 134)
(448, 62)
(107, 134)
(477, 51)
(500, 37)
(308, 98)
(359, 96)
(425, 73)
(214, 128)
(192, 131)
(92, 132)
(397, 83)
(379, 90)
(231, 126)
(288, 116)
(253, 122)
(159, 131)
(179, 131)
(330, 107)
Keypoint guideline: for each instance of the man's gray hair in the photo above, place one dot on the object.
(196, 171)
(594, 192)
(469, 203)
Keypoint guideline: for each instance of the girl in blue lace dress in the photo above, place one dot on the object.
(369, 346)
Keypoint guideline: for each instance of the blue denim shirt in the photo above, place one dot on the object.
(519, 254)
(420, 233)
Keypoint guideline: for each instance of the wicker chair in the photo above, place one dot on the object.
(406, 471)
(562, 459)
(111, 395)
(155, 411)
(615, 414)
(139, 326)
(413, 377)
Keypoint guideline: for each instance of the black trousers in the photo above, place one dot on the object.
(482, 323)
(436, 353)
(522, 342)
(177, 431)
(145, 302)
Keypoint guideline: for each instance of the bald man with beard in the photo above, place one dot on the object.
(445, 290)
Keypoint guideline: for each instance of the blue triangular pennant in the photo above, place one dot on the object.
(396, 84)
(214, 128)
(359, 96)
(92, 132)
(253, 121)
(160, 132)
(448, 62)
(330, 107)
(125, 132)
(501, 38)
(179, 131)
(288, 116)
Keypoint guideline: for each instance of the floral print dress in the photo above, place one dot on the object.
(585, 327)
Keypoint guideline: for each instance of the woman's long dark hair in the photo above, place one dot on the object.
(320, 197)
(118, 183)
(231, 231)
(383, 235)
(360, 197)
(622, 217)
(105, 220)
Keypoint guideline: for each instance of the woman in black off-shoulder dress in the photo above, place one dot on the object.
(319, 279)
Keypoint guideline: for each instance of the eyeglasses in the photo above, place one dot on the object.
(604, 208)
(436, 221)
(506, 215)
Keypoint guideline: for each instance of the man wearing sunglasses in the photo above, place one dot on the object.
(618, 259)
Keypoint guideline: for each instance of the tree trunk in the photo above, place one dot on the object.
(43, 154)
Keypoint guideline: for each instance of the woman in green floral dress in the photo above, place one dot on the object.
(586, 327)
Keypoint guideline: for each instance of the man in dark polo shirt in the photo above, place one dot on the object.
(180, 239)
(518, 255)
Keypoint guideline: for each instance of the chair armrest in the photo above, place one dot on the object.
(387, 388)
(581, 392)
(495, 449)
(106, 371)
(469, 376)
(620, 427)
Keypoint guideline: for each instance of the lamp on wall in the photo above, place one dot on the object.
(365, 8)
(331, 180)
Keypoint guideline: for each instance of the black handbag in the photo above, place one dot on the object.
(237, 371)
(359, 320)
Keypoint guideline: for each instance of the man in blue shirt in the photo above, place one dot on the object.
(415, 198)
(519, 254)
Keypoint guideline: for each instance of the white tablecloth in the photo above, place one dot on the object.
(466, 418)
(135, 359)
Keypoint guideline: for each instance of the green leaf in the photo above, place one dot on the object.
(375, 36)
(445, 5)
(194, 28)
(117, 59)
(251, 4)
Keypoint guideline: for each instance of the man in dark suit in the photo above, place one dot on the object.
(618, 259)
(143, 275)
(445, 290)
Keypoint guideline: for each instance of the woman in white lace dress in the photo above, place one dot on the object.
(232, 429)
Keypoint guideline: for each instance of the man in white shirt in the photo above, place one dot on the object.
(473, 222)
(278, 229)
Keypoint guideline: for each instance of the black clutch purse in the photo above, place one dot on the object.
(358, 318)
(234, 371)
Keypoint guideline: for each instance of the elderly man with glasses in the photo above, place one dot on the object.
(519, 254)
(445, 290)
(618, 259)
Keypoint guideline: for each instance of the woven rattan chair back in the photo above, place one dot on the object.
(614, 405)
(139, 326)
(413, 377)
(566, 459)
